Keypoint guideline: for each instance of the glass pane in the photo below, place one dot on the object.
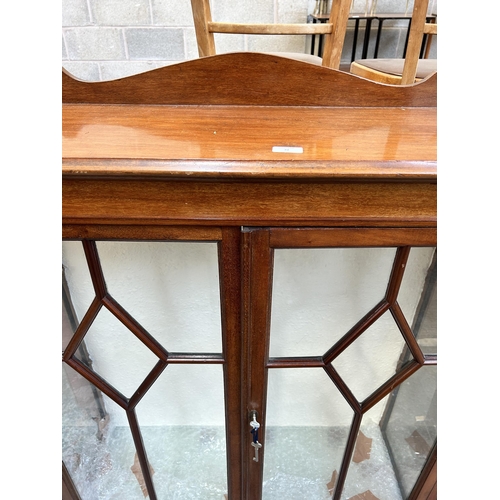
(307, 424)
(372, 358)
(116, 354)
(411, 428)
(170, 288)
(77, 276)
(98, 453)
(183, 428)
(371, 469)
(69, 318)
(320, 293)
(418, 297)
(397, 437)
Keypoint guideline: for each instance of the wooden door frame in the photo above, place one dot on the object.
(258, 255)
(69, 491)
(229, 259)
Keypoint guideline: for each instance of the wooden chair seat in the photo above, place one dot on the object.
(392, 69)
(410, 69)
(299, 56)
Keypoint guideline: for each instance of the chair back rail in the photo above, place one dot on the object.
(334, 30)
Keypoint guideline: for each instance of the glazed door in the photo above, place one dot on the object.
(268, 363)
(151, 372)
(341, 355)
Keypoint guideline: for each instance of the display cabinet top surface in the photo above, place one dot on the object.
(249, 115)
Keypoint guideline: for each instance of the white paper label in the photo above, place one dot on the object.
(287, 149)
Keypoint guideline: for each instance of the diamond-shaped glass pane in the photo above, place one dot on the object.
(372, 358)
(116, 354)
(98, 453)
(307, 424)
(320, 293)
(183, 428)
(170, 288)
(77, 276)
(418, 297)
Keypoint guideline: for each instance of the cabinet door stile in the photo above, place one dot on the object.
(258, 257)
(229, 272)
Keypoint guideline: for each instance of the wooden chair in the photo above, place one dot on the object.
(333, 32)
(412, 68)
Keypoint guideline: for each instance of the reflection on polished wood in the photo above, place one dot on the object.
(249, 133)
(221, 116)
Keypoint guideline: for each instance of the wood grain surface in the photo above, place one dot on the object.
(191, 202)
(249, 133)
(250, 79)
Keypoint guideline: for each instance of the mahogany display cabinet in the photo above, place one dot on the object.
(249, 284)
